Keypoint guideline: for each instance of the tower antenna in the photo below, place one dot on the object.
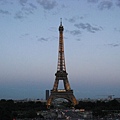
(60, 21)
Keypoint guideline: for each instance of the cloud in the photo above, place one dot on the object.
(25, 10)
(47, 4)
(3, 2)
(105, 5)
(116, 29)
(4, 12)
(21, 12)
(74, 32)
(78, 39)
(92, 1)
(19, 15)
(114, 45)
(42, 39)
(32, 6)
(29, 9)
(63, 6)
(23, 2)
(73, 19)
(88, 27)
(24, 35)
(118, 3)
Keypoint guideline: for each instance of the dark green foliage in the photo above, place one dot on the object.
(85, 105)
(100, 108)
(10, 110)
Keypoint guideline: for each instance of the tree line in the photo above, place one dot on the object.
(10, 109)
(100, 108)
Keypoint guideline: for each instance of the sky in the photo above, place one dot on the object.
(29, 41)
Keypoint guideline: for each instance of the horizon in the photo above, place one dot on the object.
(29, 47)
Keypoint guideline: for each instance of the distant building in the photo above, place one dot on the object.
(47, 94)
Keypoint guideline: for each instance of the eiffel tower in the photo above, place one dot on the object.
(61, 74)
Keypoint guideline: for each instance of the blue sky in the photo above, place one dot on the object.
(29, 47)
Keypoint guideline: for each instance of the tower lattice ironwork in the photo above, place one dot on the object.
(61, 74)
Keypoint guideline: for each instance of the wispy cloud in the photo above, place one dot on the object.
(24, 35)
(105, 5)
(114, 45)
(63, 6)
(29, 9)
(78, 39)
(42, 39)
(25, 10)
(118, 3)
(3, 2)
(4, 12)
(92, 1)
(47, 4)
(88, 27)
(33, 6)
(116, 29)
(23, 2)
(74, 19)
(19, 15)
(74, 32)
